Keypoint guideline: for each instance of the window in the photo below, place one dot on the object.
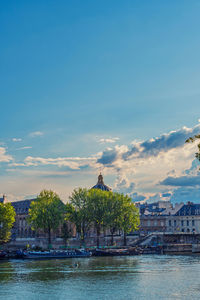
(170, 223)
(192, 222)
(182, 223)
(188, 223)
(183, 230)
(174, 222)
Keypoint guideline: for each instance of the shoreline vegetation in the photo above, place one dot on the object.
(88, 210)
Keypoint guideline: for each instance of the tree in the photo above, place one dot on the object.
(66, 232)
(192, 140)
(114, 210)
(130, 219)
(80, 215)
(7, 218)
(47, 213)
(97, 209)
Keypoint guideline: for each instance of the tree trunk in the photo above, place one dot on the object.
(83, 237)
(124, 238)
(49, 236)
(112, 239)
(98, 234)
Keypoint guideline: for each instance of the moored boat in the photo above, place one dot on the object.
(117, 252)
(53, 254)
(3, 254)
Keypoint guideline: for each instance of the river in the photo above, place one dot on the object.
(135, 277)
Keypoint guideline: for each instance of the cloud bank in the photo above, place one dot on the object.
(4, 157)
(160, 168)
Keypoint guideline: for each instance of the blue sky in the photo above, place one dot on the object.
(83, 80)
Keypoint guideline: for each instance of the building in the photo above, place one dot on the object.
(3, 199)
(154, 216)
(22, 234)
(100, 184)
(166, 218)
(185, 220)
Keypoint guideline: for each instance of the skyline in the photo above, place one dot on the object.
(90, 87)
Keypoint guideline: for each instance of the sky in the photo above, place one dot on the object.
(100, 86)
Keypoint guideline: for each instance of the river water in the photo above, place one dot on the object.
(135, 277)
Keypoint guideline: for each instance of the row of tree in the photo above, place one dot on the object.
(92, 209)
(86, 209)
(7, 218)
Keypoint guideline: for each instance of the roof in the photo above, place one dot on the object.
(151, 208)
(189, 209)
(22, 207)
(100, 184)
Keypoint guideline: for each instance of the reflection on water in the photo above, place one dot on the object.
(136, 277)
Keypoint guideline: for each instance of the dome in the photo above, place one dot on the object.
(100, 184)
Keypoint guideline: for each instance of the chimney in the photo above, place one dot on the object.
(4, 198)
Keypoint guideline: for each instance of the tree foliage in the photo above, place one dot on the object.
(66, 232)
(7, 218)
(114, 213)
(192, 140)
(80, 212)
(97, 204)
(103, 210)
(130, 216)
(47, 212)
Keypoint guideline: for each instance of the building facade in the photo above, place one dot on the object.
(185, 220)
(166, 218)
(22, 234)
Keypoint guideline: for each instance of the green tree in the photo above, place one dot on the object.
(66, 232)
(114, 210)
(130, 219)
(97, 210)
(80, 215)
(47, 213)
(7, 218)
(192, 140)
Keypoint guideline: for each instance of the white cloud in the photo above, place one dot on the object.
(16, 139)
(147, 163)
(74, 163)
(4, 157)
(139, 167)
(108, 140)
(24, 148)
(36, 133)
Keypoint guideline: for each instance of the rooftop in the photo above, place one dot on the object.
(100, 184)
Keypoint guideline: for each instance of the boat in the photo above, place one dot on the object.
(116, 252)
(53, 254)
(3, 254)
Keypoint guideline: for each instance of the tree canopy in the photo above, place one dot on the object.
(80, 212)
(192, 140)
(7, 218)
(103, 210)
(47, 212)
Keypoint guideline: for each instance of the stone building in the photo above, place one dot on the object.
(185, 220)
(166, 218)
(154, 216)
(22, 234)
(100, 184)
